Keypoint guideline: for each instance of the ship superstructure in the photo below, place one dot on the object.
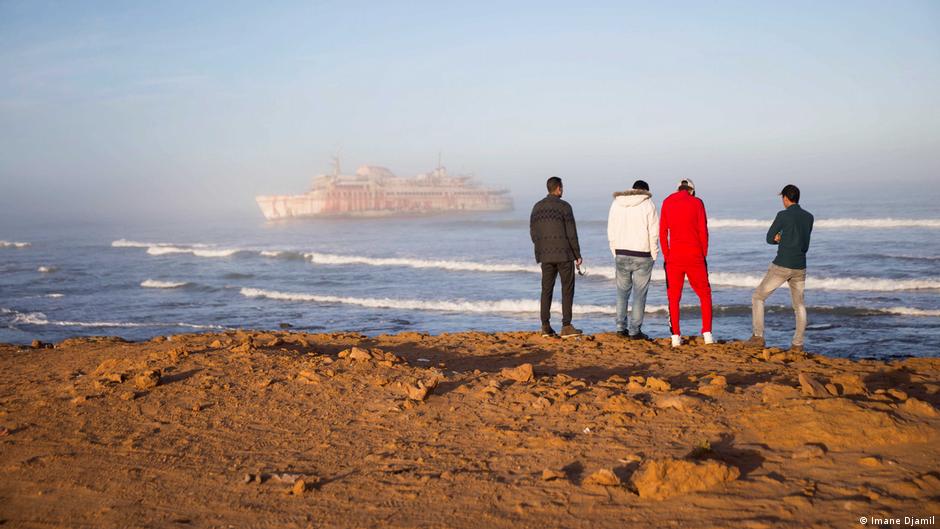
(376, 191)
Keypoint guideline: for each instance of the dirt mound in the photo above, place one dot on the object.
(665, 478)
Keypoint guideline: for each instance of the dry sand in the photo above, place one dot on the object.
(459, 430)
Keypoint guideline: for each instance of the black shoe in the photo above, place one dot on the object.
(624, 334)
(548, 332)
(640, 336)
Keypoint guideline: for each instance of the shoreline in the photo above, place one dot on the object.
(460, 429)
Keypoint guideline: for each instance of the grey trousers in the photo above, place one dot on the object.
(777, 276)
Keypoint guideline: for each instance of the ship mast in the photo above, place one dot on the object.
(336, 168)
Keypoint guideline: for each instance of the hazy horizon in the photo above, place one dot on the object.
(110, 110)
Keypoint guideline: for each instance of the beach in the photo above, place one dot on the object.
(471, 429)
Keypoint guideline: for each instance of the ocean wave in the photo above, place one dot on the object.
(47, 269)
(153, 283)
(504, 305)
(39, 318)
(198, 252)
(527, 306)
(467, 266)
(55, 295)
(9, 244)
(832, 223)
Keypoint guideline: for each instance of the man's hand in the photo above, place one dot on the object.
(777, 238)
(578, 262)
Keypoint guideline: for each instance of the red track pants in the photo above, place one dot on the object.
(697, 271)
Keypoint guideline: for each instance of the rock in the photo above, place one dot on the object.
(300, 486)
(551, 475)
(919, 407)
(812, 388)
(216, 344)
(114, 377)
(624, 404)
(870, 461)
(850, 384)
(665, 478)
(776, 393)
(147, 379)
(521, 373)
(421, 389)
(356, 353)
(837, 423)
(809, 451)
(283, 325)
(711, 390)
(37, 344)
(719, 380)
(603, 477)
(676, 402)
(128, 395)
(898, 394)
(657, 384)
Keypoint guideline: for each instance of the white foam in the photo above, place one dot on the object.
(55, 295)
(38, 318)
(910, 311)
(9, 244)
(46, 269)
(270, 253)
(832, 223)
(503, 305)
(469, 266)
(197, 251)
(153, 283)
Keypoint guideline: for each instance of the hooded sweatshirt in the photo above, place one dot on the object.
(632, 224)
(683, 228)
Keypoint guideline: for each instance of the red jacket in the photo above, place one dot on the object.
(683, 228)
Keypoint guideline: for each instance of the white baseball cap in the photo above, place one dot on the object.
(686, 182)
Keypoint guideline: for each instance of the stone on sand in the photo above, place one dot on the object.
(550, 475)
(657, 384)
(603, 477)
(811, 387)
(624, 404)
(147, 379)
(919, 407)
(521, 373)
(849, 384)
(775, 393)
(665, 478)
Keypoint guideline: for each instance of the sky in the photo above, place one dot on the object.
(145, 110)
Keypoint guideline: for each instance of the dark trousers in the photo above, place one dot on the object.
(549, 271)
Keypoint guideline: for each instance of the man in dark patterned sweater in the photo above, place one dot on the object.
(555, 236)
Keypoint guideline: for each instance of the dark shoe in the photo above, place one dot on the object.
(623, 334)
(756, 341)
(547, 331)
(568, 331)
(640, 336)
(796, 348)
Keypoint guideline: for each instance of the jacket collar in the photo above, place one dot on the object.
(632, 192)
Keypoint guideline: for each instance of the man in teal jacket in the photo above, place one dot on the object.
(790, 231)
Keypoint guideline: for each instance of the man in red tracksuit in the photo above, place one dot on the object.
(683, 236)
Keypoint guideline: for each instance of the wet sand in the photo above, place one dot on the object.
(460, 430)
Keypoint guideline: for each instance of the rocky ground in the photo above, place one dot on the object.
(459, 430)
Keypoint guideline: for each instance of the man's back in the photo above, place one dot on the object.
(794, 225)
(683, 228)
(553, 231)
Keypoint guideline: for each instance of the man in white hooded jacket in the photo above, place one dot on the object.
(633, 234)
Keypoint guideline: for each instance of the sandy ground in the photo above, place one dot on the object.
(460, 430)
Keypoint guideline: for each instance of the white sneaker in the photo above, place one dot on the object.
(708, 338)
(676, 340)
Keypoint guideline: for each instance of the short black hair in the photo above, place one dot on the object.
(640, 184)
(792, 193)
(553, 183)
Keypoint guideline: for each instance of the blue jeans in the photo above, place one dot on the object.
(633, 273)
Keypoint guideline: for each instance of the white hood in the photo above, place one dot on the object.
(633, 223)
(631, 198)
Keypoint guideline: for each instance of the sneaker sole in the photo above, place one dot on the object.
(572, 335)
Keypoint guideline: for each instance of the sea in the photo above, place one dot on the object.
(872, 291)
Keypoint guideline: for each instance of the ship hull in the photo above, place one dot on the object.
(277, 207)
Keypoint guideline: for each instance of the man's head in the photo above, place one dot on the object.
(641, 185)
(554, 186)
(791, 195)
(686, 184)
